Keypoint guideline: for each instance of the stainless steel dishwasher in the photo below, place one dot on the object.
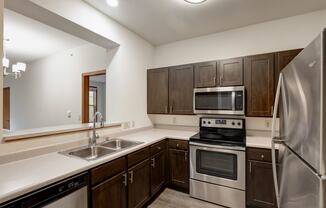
(69, 193)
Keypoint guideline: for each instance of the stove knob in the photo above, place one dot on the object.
(209, 122)
(239, 124)
(204, 122)
(233, 123)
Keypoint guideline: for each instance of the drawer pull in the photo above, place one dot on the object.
(125, 179)
(153, 162)
(131, 173)
(262, 156)
(177, 145)
(159, 148)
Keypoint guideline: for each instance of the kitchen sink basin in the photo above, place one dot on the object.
(118, 144)
(89, 153)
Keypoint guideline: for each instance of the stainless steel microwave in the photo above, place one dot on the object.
(220, 100)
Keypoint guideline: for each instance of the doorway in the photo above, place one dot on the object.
(93, 95)
(6, 108)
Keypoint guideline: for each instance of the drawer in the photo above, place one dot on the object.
(138, 156)
(258, 154)
(159, 146)
(107, 170)
(178, 144)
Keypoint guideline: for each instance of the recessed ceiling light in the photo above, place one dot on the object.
(112, 3)
(195, 1)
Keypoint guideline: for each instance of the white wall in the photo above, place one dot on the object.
(126, 77)
(52, 86)
(283, 34)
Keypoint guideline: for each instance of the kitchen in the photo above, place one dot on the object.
(189, 104)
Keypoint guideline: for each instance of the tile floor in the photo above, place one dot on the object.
(174, 199)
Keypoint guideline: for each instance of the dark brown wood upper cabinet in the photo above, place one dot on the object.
(282, 59)
(231, 72)
(259, 84)
(206, 74)
(181, 86)
(158, 170)
(139, 184)
(110, 193)
(157, 91)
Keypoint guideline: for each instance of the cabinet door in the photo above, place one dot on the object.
(260, 185)
(158, 171)
(157, 91)
(231, 71)
(206, 74)
(139, 184)
(259, 83)
(179, 168)
(181, 87)
(282, 59)
(111, 193)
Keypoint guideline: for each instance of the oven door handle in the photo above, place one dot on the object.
(217, 147)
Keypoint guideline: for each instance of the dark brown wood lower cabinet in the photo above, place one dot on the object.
(179, 169)
(139, 184)
(110, 193)
(158, 164)
(260, 185)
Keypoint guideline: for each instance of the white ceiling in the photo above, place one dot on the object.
(164, 21)
(31, 40)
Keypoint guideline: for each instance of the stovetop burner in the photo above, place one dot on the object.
(226, 132)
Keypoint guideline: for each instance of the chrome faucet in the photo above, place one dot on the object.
(94, 135)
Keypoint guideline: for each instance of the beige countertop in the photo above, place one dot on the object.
(259, 142)
(24, 176)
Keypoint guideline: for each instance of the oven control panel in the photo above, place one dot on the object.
(222, 123)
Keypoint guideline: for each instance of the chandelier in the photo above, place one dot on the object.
(16, 69)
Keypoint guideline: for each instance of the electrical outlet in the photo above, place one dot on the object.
(174, 120)
(267, 123)
(126, 125)
(69, 113)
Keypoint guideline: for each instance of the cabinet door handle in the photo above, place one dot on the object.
(153, 162)
(131, 173)
(272, 109)
(186, 156)
(166, 109)
(249, 167)
(125, 179)
(171, 108)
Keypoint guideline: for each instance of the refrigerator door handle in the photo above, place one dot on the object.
(276, 140)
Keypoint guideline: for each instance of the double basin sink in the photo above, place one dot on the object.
(100, 150)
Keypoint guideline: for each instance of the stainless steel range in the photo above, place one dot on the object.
(217, 162)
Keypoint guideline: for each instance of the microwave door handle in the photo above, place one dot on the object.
(233, 100)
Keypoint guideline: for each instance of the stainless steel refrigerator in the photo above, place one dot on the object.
(300, 171)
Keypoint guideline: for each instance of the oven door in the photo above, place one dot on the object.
(219, 165)
(219, 100)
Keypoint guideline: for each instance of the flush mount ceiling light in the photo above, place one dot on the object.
(112, 3)
(195, 1)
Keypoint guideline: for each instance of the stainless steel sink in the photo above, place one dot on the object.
(89, 153)
(119, 144)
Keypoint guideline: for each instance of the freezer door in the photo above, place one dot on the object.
(299, 186)
(301, 105)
